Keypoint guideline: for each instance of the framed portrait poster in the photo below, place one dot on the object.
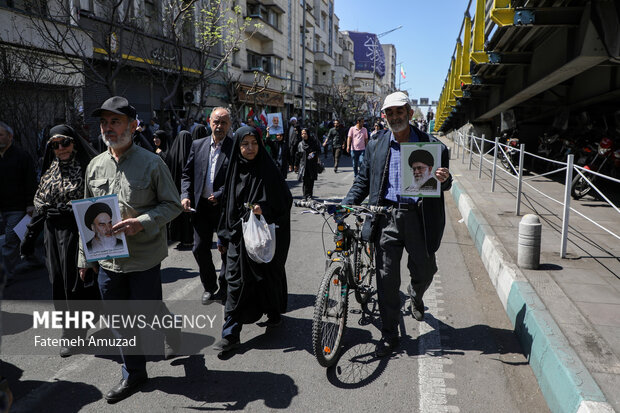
(274, 121)
(95, 218)
(418, 163)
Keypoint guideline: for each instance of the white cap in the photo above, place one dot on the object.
(293, 119)
(395, 99)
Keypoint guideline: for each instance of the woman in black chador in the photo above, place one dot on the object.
(253, 289)
(62, 180)
(308, 152)
(180, 229)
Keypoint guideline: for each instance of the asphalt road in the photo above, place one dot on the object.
(462, 358)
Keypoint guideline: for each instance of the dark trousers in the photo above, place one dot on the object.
(397, 231)
(337, 151)
(131, 286)
(206, 220)
(308, 186)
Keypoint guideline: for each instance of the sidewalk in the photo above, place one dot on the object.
(567, 313)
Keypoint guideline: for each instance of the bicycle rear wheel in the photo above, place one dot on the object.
(330, 315)
(365, 271)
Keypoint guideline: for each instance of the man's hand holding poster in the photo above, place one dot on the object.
(418, 164)
(95, 218)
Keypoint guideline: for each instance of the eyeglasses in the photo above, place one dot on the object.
(65, 143)
(419, 168)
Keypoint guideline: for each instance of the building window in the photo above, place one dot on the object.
(316, 43)
(38, 7)
(235, 57)
(289, 81)
(256, 11)
(255, 62)
(276, 66)
(290, 29)
(274, 19)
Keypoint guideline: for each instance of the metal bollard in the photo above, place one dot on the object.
(528, 249)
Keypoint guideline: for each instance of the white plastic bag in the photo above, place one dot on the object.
(260, 239)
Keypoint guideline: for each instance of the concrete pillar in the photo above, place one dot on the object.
(528, 249)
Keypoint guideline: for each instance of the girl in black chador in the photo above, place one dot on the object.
(253, 289)
(62, 181)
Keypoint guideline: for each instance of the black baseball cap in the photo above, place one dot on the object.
(116, 104)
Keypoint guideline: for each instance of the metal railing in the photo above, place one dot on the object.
(468, 143)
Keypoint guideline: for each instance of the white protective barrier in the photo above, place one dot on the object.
(469, 143)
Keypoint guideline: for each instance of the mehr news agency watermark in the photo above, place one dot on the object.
(141, 326)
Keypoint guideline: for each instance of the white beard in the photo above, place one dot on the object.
(398, 127)
(122, 141)
(418, 182)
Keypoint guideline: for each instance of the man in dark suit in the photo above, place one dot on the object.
(202, 186)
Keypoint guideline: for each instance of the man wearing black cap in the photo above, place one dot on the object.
(98, 218)
(415, 224)
(421, 163)
(148, 200)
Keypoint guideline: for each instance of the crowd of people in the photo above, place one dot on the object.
(208, 180)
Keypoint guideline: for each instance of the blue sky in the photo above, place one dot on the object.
(425, 43)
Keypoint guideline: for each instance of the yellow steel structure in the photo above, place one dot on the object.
(465, 67)
(502, 14)
(451, 79)
(456, 73)
(478, 55)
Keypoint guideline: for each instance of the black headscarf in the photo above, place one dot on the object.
(63, 181)
(200, 132)
(84, 152)
(177, 156)
(310, 144)
(163, 137)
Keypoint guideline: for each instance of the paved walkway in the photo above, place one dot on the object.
(567, 313)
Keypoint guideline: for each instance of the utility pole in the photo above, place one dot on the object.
(303, 66)
(375, 43)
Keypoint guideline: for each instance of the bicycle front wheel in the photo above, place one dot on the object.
(330, 315)
(365, 268)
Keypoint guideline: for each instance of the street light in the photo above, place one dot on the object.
(375, 43)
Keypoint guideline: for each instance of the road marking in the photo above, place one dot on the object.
(431, 376)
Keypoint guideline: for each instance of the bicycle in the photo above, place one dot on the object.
(350, 266)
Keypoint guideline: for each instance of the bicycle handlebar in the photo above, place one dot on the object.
(333, 207)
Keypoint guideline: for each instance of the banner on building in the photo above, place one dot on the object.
(368, 53)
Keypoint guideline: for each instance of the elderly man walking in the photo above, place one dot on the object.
(18, 184)
(415, 224)
(148, 200)
(202, 187)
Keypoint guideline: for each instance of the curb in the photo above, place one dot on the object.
(564, 380)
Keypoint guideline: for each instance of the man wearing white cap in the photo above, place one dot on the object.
(415, 224)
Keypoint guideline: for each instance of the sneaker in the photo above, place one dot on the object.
(416, 306)
(226, 344)
(386, 346)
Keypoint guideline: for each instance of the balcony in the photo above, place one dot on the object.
(323, 58)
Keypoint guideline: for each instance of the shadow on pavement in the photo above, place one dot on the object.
(235, 389)
(35, 395)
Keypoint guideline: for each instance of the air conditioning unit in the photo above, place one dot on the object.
(191, 96)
